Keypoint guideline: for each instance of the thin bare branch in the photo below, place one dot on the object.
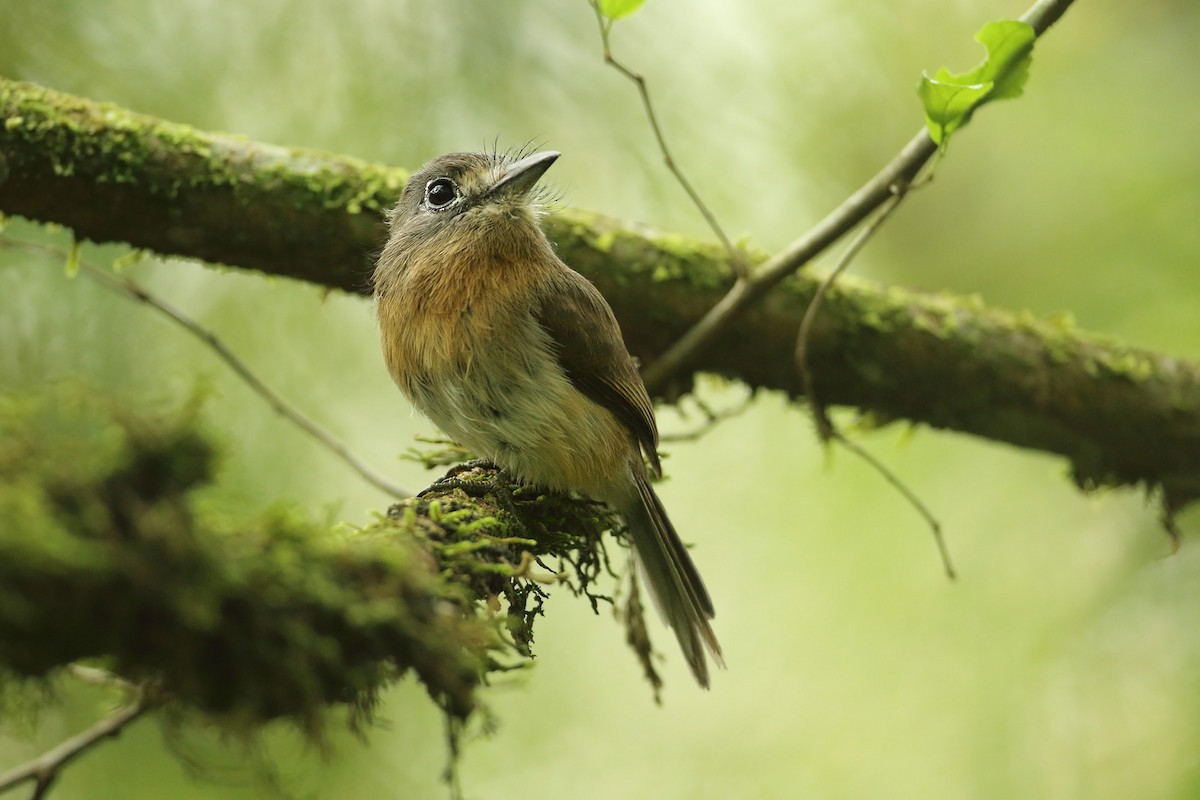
(712, 418)
(1041, 16)
(44, 769)
(735, 257)
(935, 527)
(825, 427)
(131, 290)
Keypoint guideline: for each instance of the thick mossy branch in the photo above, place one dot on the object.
(1122, 416)
(112, 175)
(110, 549)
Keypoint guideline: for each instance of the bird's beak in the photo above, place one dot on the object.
(520, 176)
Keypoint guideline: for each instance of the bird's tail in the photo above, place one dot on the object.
(674, 582)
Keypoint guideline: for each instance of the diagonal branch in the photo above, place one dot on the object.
(900, 171)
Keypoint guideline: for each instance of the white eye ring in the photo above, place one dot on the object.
(440, 193)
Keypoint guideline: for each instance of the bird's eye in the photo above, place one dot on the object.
(440, 192)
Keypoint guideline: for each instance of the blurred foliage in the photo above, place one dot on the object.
(112, 552)
(1063, 663)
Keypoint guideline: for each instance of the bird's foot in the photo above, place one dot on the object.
(475, 488)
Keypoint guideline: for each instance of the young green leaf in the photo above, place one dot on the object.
(1010, 50)
(615, 9)
(948, 104)
(950, 99)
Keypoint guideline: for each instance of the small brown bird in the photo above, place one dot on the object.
(519, 358)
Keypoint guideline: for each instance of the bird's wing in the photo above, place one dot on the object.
(592, 353)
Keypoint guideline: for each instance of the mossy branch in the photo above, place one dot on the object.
(112, 175)
(111, 548)
(1119, 414)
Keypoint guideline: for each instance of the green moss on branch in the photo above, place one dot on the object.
(110, 549)
(113, 175)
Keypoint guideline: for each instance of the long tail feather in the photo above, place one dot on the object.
(674, 582)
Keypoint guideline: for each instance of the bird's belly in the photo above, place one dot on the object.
(514, 406)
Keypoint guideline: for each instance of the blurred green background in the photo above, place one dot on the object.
(1066, 661)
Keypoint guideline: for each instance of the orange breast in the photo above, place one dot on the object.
(468, 353)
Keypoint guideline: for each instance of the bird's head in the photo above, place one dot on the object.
(470, 202)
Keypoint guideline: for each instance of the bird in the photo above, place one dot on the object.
(520, 358)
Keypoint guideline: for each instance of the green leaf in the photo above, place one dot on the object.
(948, 104)
(1010, 50)
(950, 99)
(615, 9)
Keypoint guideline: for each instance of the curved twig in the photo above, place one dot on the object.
(735, 257)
